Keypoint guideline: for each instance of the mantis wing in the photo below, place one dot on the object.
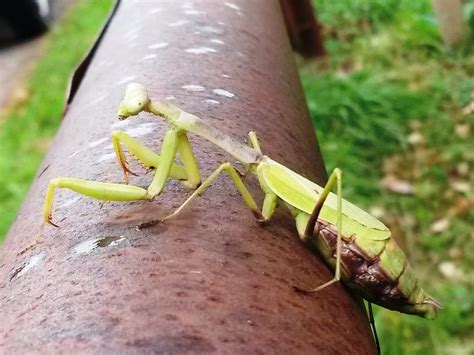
(302, 194)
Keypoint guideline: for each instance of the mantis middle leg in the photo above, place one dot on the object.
(306, 223)
(269, 203)
(239, 184)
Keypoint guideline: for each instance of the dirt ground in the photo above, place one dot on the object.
(16, 61)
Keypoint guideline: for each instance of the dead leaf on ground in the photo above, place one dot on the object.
(462, 205)
(402, 187)
(416, 138)
(461, 186)
(463, 168)
(377, 211)
(440, 225)
(463, 130)
(469, 108)
(450, 270)
(455, 253)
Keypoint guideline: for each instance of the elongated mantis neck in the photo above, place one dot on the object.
(190, 123)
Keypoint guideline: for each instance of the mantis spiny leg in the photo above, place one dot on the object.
(307, 230)
(239, 184)
(193, 178)
(121, 192)
(151, 160)
(169, 148)
(99, 190)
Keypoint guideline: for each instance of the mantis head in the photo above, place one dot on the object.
(135, 101)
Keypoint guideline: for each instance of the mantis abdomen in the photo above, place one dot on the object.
(372, 276)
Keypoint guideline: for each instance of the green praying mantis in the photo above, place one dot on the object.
(355, 244)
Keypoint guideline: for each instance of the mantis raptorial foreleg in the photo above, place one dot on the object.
(187, 174)
(143, 154)
(239, 184)
(173, 142)
(306, 223)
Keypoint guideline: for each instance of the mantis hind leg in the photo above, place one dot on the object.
(306, 230)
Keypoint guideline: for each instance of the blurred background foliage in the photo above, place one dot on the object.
(393, 108)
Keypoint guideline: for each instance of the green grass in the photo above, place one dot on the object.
(26, 131)
(388, 102)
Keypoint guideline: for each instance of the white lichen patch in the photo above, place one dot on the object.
(158, 45)
(194, 12)
(106, 157)
(232, 6)
(106, 63)
(96, 244)
(75, 153)
(150, 56)
(121, 124)
(35, 260)
(132, 34)
(130, 37)
(215, 40)
(142, 129)
(212, 102)
(178, 23)
(224, 93)
(98, 99)
(200, 50)
(193, 87)
(97, 142)
(171, 97)
(126, 79)
(70, 201)
(210, 29)
(155, 10)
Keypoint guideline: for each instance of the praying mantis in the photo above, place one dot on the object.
(355, 244)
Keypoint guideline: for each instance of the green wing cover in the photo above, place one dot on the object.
(303, 194)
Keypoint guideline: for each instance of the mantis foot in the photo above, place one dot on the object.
(148, 224)
(50, 221)
(301, 290)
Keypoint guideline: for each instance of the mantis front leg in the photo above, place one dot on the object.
(174, 141)
(188, 174)
(306, 223)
